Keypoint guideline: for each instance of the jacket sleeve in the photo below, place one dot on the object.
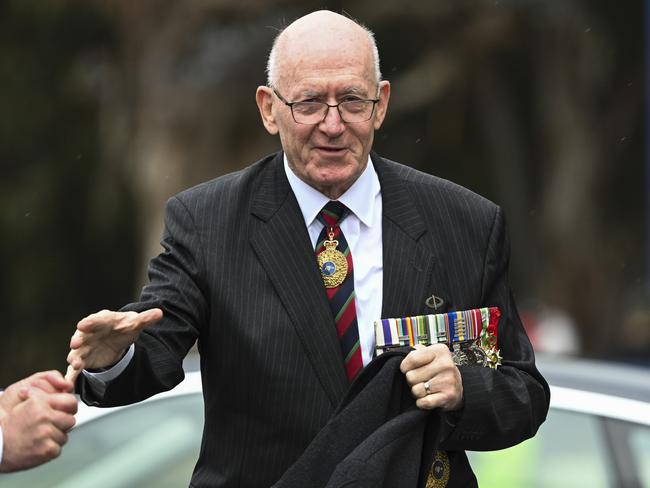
(505, 406)
(177, 286)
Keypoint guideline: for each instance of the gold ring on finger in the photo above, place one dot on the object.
(427, 388)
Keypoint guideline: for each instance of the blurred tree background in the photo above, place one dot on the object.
(110, 107)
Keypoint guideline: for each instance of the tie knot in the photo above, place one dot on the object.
(332, 213)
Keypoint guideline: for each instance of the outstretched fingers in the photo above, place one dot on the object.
(101, 338)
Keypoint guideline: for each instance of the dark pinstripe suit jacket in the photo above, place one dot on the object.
(238, 273)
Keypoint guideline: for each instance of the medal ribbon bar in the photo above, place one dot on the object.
(472, 330)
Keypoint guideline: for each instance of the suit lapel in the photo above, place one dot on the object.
(412, 270)
(283, 246)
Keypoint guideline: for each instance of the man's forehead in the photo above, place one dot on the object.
(357, 80)
(324, 53)
(323, 70)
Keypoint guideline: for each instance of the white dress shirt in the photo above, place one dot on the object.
(363, 231)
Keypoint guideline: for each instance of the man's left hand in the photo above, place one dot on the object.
(433, 367)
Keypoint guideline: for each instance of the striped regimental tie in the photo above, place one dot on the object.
(342, 297)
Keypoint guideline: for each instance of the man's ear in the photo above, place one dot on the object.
(382, 104)
(264, 99)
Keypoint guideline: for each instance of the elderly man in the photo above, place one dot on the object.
(35, 415)
(279, 271)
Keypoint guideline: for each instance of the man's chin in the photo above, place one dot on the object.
(334, 184)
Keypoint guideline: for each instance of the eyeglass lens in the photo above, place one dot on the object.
(350, 111)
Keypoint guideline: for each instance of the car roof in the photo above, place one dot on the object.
(609, 378)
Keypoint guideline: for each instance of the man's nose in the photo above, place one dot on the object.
(332, 124)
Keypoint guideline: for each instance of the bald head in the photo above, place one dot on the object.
(317, 35)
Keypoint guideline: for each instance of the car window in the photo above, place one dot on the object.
(570, 449)
(631, 448)
(640, 448)
(151, 444)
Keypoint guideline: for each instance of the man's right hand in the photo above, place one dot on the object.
(102, 338)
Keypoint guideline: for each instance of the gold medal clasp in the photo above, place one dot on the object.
(332, 263)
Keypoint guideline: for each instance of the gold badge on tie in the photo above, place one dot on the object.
(439, 473)
(332, 263)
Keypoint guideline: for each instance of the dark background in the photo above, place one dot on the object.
(110, 107)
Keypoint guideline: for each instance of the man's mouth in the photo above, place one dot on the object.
(331, 149)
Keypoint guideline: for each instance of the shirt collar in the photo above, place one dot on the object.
(360, 197)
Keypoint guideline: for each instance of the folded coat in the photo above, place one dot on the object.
(379, 438)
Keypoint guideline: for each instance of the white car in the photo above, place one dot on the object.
(597, 435)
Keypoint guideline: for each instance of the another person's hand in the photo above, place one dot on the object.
(433, 377)
(102, 338)
(48, 381)
(35, 415)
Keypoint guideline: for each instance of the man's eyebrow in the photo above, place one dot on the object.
(346, 90)
(311, 93)
(353, 90)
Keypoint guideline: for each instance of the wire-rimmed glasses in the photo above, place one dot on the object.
(310, 113)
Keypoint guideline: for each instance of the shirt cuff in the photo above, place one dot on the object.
(98, 380)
